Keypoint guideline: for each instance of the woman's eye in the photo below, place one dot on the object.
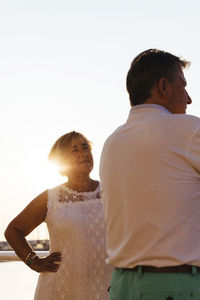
(74, 150)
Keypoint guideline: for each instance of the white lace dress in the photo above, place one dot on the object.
(76, 228)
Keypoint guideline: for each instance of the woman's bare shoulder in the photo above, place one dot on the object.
(32, 215)
(40, 200)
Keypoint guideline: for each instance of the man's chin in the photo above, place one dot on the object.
(181, 111)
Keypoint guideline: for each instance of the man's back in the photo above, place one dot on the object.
(150, 172)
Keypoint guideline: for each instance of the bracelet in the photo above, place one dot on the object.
(28, 256)
(31, 259)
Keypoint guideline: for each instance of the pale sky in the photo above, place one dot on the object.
(63, 67)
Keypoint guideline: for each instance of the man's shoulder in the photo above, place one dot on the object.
(113, 141)
(189, 120)
(114, 134)
(173, 124)
(173, 119)
(186, 117)
(168, 123)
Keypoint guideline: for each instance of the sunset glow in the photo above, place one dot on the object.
(63, 68)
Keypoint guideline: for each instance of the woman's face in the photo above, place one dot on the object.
(79, 158)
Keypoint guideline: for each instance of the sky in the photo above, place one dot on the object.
(63, 67)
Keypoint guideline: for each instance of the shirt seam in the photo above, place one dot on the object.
(189, 144)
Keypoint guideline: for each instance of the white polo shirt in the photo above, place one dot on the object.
(150, 177)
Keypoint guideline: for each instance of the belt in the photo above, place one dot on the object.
(170, 269)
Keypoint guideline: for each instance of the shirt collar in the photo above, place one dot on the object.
(150, 105)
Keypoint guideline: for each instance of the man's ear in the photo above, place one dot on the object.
(163, 87)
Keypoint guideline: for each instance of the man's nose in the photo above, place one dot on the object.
(189, 100)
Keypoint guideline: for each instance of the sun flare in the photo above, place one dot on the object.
(51, 175)
(42, 173)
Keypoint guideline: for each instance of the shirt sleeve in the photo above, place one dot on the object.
(193, 151)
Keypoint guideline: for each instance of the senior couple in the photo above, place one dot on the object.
(150, 187)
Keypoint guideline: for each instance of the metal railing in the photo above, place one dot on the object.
(11, 255)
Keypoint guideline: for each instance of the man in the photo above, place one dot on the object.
(150, 177)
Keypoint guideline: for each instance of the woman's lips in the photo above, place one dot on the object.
(85, 161)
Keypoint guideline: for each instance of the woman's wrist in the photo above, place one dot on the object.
(30, 257)
(31, 260)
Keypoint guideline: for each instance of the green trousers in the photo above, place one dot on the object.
(138, 285)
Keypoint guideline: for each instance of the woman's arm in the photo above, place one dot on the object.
(31, 217)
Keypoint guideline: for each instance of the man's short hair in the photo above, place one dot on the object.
(146, 70)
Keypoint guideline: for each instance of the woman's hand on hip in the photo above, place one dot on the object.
(49, 263)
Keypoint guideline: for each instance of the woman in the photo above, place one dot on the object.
(75, 269)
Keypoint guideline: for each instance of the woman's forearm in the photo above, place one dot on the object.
(24, 250)
(18, 242)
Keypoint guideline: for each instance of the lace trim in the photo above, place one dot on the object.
(79, 203)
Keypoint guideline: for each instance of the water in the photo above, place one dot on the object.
(17, 281)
